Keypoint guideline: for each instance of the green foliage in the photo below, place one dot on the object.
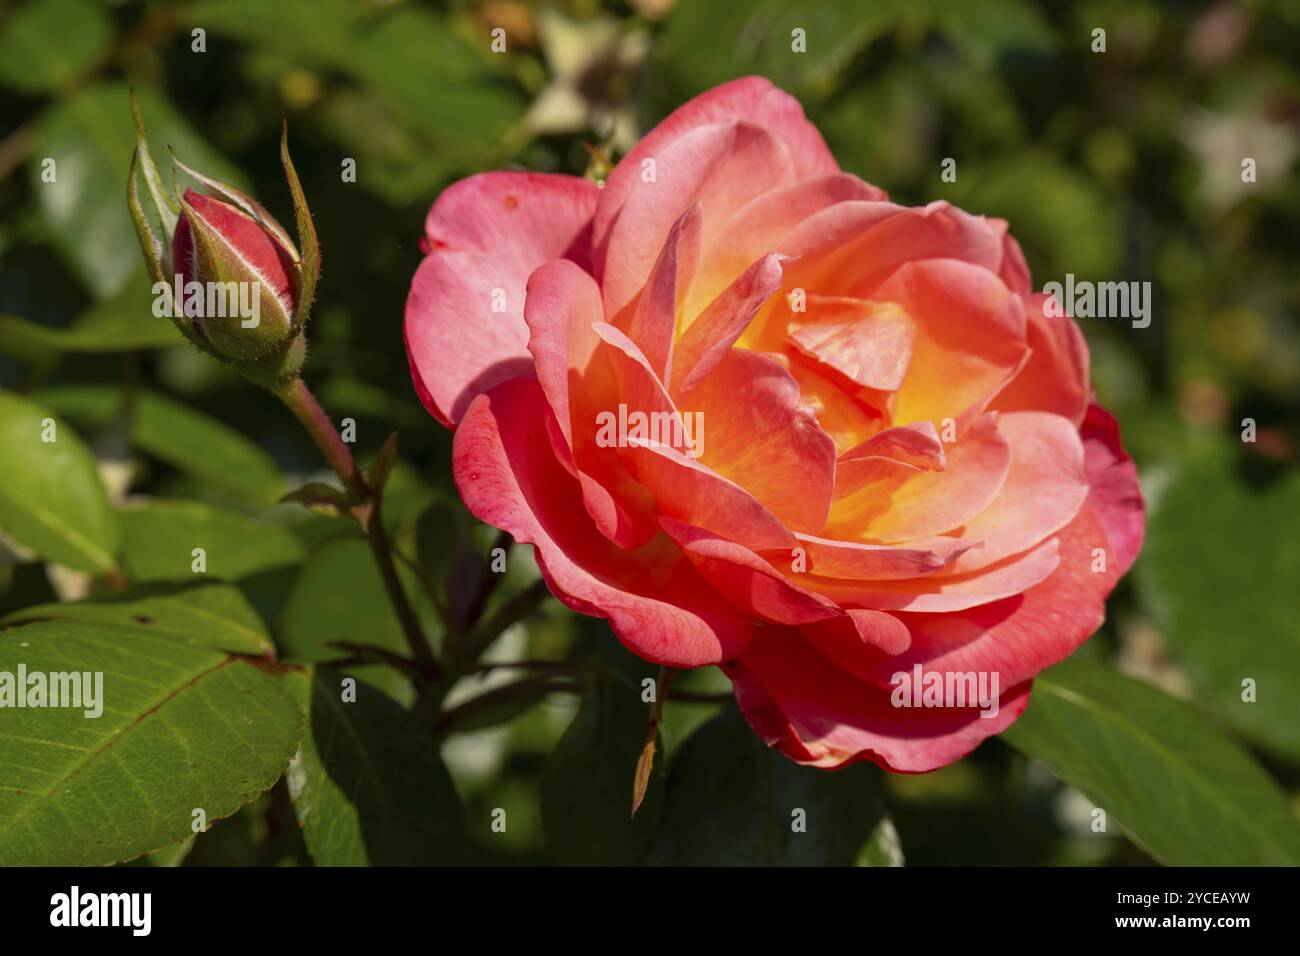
(159, 540)
(208, 615)
(1158, 768)
(124, 323)
(338, 598)
(195, 443)
(1244, 542)
(733, 802)
(51, 496)
(587, 785)
(368, 788)
(199, 722)
(46, 44)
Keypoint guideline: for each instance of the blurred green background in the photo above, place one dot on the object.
(1122, 165)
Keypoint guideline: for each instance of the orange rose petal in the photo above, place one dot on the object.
(751, 98)
(719, 166)
(869, 343)
(970, 338)
(1023, 634)
(1013, 270)
(941, 594)
(917, 444)
(1055, 379)
(562, 309)
(653, 322)
(745, 579)
(757, 434)
(656, 603)
(830, 558)
(760, 226)
(929, 502)
(817, 712)
(691, 492)
(710, 337)
(1044, 488)
(848, 422)
(851, 248)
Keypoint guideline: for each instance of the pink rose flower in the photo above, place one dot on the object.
(758, 416)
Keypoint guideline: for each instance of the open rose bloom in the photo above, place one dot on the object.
(846, 443)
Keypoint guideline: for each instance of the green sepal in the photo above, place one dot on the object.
(164, 204)
(309, 263)
(277, 370)
(153, 256)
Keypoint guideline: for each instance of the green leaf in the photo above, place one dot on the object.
(204, 447)
(185, 726)
(318, 495)
(158, 540)
(90, 137)
(503, 703)
(368, 785)
(339, 596)
(1159, 769)
(1210, 536)
(47, 43)
(187, 439)
(587, 784)
(994, 28)
(211, 615)
(382, 50)
(734, 802)
(708, 42)
(123, 323)
(51, 496)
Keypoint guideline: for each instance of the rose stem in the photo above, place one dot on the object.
(299, 400)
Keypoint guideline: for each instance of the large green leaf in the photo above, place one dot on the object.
(51, 496)
(732, 801)
(173, 432)
(123, 323)
(90, 137)
(159, 538)
(587, 785)
(44, 44)
(368, 785)
(1220, 570)
(1159, 769)
(210, 615)
(186, 725)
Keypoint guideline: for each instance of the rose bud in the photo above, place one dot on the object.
(235, 278)
(230, 278)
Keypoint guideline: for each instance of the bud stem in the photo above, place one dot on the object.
(299, 400)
